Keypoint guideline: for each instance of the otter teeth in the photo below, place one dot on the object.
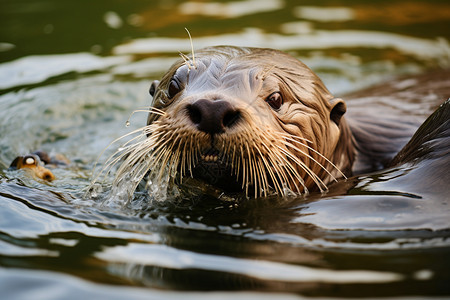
(209, 158)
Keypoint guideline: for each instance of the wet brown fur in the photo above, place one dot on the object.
(301, 147)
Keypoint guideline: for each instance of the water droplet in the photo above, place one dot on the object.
(423, 275)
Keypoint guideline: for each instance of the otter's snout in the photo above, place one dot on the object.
(213, 117)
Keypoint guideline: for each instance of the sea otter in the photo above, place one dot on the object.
(258, 121)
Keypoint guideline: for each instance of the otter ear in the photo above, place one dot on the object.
(338, 110)
(15, 164)
(153, 87)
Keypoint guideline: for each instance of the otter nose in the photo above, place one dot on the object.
(213, 116)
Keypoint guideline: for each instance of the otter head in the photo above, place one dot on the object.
(247, 119)
(33, 164)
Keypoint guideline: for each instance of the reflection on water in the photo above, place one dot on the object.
(325, 14)
(29, 70)
(69, 79)
(422, 48)
(232, 9)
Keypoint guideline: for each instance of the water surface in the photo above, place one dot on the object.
(72, 72)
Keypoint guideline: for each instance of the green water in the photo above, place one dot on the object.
(71, 73)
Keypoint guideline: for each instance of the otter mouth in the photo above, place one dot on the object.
(214, 168)
(211, 155)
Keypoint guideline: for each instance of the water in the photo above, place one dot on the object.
(71, 74)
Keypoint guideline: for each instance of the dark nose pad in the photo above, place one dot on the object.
(213, 117)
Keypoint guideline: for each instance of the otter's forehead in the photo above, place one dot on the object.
(239, 69)
(245, 74)
(214, 72)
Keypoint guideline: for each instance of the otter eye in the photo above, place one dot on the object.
(275, 100)
(174, 88)
(30, 160)
(153, 87)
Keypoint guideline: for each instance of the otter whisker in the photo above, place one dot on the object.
(315, 151)
(271, 174)
(264, 175)
(244, 175)
(183, 163)
(318, 153)
(162, 157)
(140, 151)
(294, 136)
(241, 160)
(170, 154)
(261, 173)
(273, 165)
(174, 160)
(250, 169)
(233, 159)
(294, 172)
(155, 110)
(263, 165)
(149, 110)
(143, 163)
(130, 178)
(266, 72)
(312, 175)
(289, 171)
(110, 144)
(304, 167)
(239, 166)
(186, 60)
(112, 161)
(196, 152)
(310, 157)
(255, 177)
(188, 158)
(249, 163)
(128, 143)
(282, 177)
(248, 177)
(259, 176)
(142, 130)
(184, 159)
(133, 155)
(192, 49)
(191, 158)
